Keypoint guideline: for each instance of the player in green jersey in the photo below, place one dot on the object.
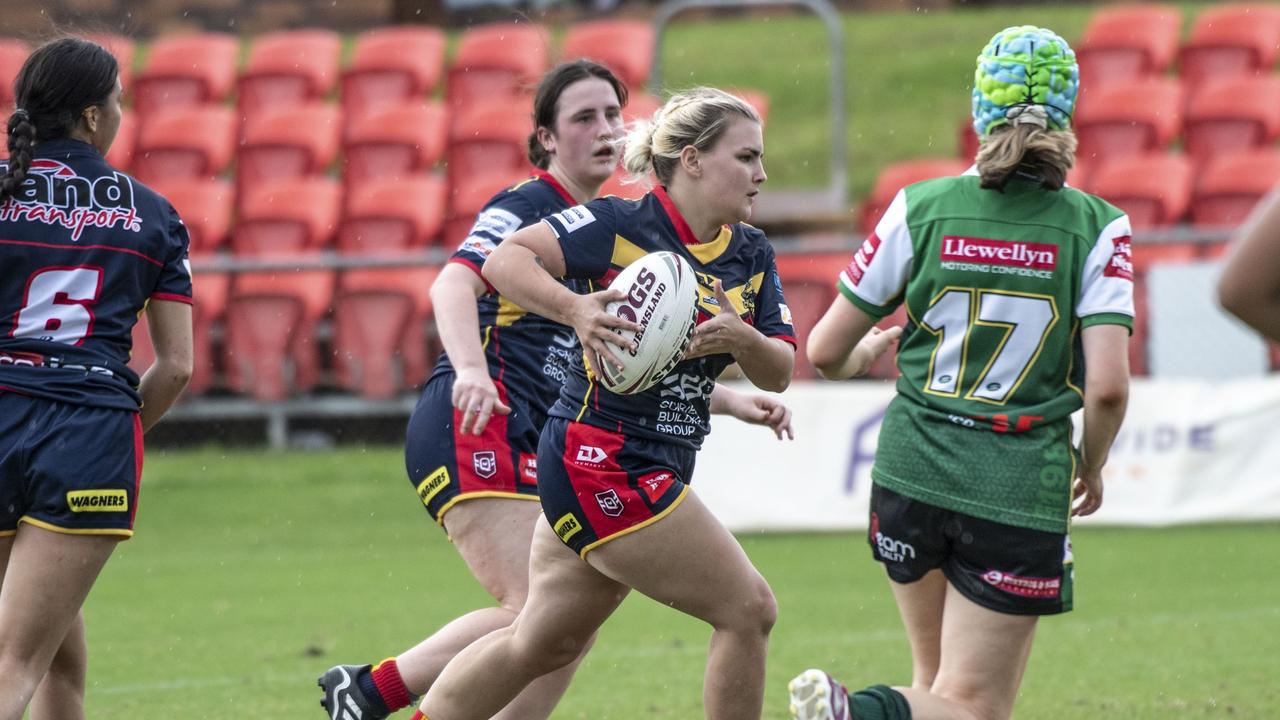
(1019, 296)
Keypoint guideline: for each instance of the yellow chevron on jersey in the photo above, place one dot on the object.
(625, 252)
(742, 296)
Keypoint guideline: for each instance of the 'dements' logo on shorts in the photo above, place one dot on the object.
(1022, 585)
(433, 484)
(590, 455)
(610, 503)
(654, 485)
(485, 462)
(98, 500)
(567, 526)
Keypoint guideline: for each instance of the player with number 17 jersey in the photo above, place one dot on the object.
(1001, 285)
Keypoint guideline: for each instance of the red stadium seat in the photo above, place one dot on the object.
(469, 196)
(1231, 40)
(288, 68)
(197, 69)
(13, 53)
(270, 331)
(188, 142)
(205, 208)
(618, 186)
(1128, 118)
(496, 61)
(142, 354)
(809, 285)
(623, 46)
(123, 49)
(287, 142)
(490, 137)
(393, 215)
(1232, 113)
(640, 106)
(897, 176)
(120, 155)
(288, 216)
(397, 141)
(380, 319)
(1154, 190)
(1232, 185)
(391, 65)
(755, 99)
(1128, 42)
(967, 140)
(210, 306)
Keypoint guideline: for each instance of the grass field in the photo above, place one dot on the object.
(252, 572)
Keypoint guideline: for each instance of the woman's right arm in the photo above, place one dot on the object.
(524, 269)
(1250, 284)
(1106, 395)
(170, 325)
(844, 343)
(453, 299)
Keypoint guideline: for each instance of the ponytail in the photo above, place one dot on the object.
(20, 140)
(1027, 148)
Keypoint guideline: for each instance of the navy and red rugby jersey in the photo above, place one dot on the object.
(604, 236)
(83, 247)
(527, 353)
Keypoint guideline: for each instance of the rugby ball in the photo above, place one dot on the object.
(662, 298)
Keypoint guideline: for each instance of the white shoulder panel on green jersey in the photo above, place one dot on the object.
(879, 270)
(1107, 278)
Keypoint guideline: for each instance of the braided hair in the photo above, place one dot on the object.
(53, 88)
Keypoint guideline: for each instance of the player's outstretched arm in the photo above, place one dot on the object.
(844, 343)
(453, 298)
(170, 326)
(523, 269)
(1250, 284)
(753, 409)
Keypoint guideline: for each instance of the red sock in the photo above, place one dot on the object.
(386, 677)
(417, 715)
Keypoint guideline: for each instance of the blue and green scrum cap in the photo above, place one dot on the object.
(1025, 70)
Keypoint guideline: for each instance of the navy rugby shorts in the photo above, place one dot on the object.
(68, 468)
(447, 467)
(597, 485)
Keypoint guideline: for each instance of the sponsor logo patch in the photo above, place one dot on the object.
(54, 194)
(567, 526)
(1121, 263)
(862, 259)
(485, 463)
(591, 455)
(609, 502)
(529, 468)
(98, 500)
(786, 313)
(1009, 253)
(654, 485)
(1021, 585)
(433, 484)
(888, 548)
(575, 218)
(496, 222)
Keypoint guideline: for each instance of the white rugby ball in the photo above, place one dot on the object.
(662, 298)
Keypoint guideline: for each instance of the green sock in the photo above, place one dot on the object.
(879, 702)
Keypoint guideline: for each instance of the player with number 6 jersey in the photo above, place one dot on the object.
(1019, 299)
(84, 251)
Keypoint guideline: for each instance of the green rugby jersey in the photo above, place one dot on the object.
(997, 286)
